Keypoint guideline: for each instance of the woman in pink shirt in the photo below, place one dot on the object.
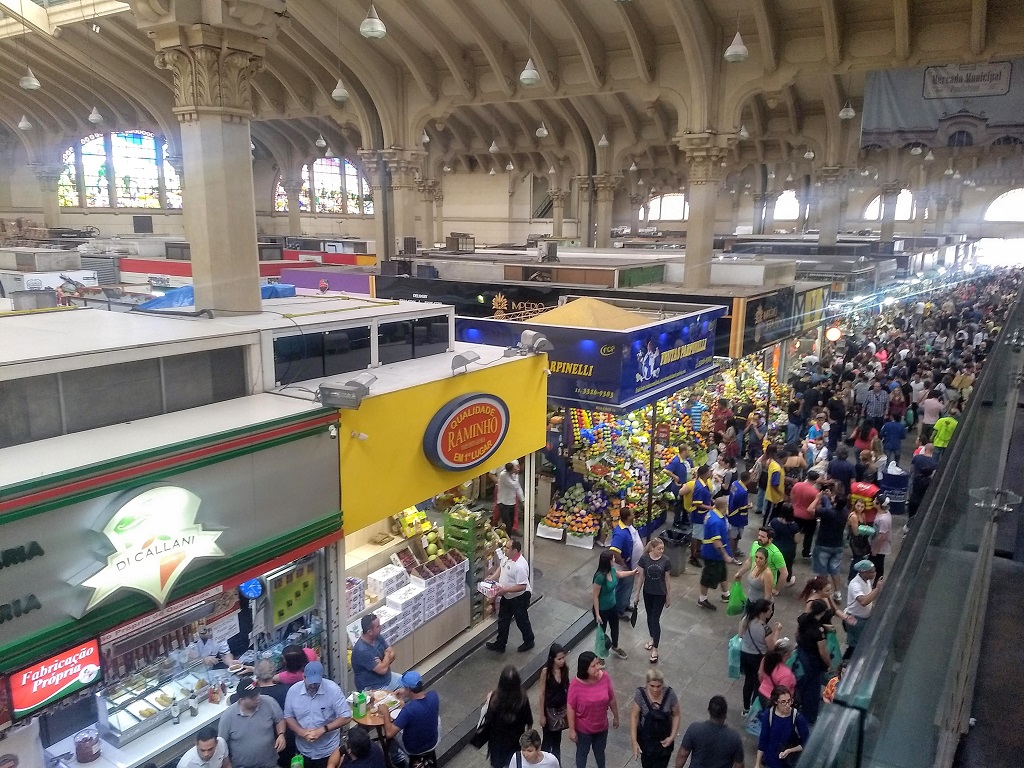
(774, 671)
(591, 696)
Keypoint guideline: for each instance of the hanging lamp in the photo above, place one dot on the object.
(95, 117)
(493, 149)
(737, 51)
(529, 77)
(847, 112)
(29, 82)
(24, 124)
(542, 131)
(372, 27)
(320, 141)
(744, 133)
(603, 141)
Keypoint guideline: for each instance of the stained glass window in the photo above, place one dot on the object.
(67, 185)
(172, 183)
(281, 197)
(136, 174)
(95, 172)
(338, 188)
(330, 187)
(360, 200)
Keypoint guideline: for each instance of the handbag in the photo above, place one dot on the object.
(735, 646)
(557, 717)
(482, 732)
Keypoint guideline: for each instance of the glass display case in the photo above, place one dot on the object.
(139, 703)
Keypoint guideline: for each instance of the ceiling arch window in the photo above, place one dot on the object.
(960, 139)
(330, 185)
(125, 169)
(1009, 206)
(787, 207)
(906, 208)
(671, 207)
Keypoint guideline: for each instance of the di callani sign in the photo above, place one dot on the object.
(466, 432)
(48, 681)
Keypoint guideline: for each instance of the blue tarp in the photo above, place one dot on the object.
(185, 296)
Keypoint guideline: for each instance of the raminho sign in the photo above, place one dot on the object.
(466, 432)
(155, 539)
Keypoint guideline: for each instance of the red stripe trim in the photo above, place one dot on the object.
(67, 489)
(270, 565)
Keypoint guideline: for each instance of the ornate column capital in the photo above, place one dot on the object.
(292, 185)
(704, 153)
(210, 79)
(583, 183)
(605, 186)
(892, 188)
(404, 166)
(636, 200)
(428, 189)
(558, 196)
(941, 202)
(48, 175)
(831, 180)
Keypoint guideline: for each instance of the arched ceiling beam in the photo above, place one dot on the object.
(577, 127)
(269, 106)
(482, 132)
(542, 50)
(280, 150)
(418, 63)
(833, 126)
(38, 111)
(641, 39)
(767, 34)
(979, 26)
(697, 36)
(595, 121)
(54, 91)
(518, 119)
(901, 19)
(493, 47)
(458, 132)
(107, 59)
(454, 55)
(296, 83)
(310, 69)
(796, 116)
(587, 40)
(832, 28)
(499, 128)
(629, 117)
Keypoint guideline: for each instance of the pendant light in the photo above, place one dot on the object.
(491, 172)
(340, 92)
(916, 149)
(510, 167)
(320, 141)
(744, 133)
(737, 51)
(529, 77)
(789, 177)
(956, 175)
(24, 124)
(95, 117)
(542, 131)
(424, 139)
(447, 168)
(493, 149)
(329, 154)
(372, 27)
(29, 82)
(929, 157)
(809, 154)
(552, 171)
(771, 174)
(847, 112)
(603, 141)
(633, 168)
(641, 183)
(948, 171)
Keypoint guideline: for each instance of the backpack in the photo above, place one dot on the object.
(656, 725)
(794, 736)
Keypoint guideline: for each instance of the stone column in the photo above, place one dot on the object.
(941, 204)
(955, 206)
(758, 213)
(47, 176)
(376, 177)
(636, 202)
(734, 218)
(428, 190)
(844, 206)
(293, 187)
(704, 174)
(921, 203)
(890, 191)
(804, 214)
(558, 211)
(604, 186)
(830, 193)
(439, 215)
(586, 227)
(403, 167)
(213, 50)
(770, 198)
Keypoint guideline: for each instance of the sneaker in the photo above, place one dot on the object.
(495, 647)
(905, 530)
(620, 653)
(706, 605)
(791, 579)
(744, 712)
(725, 597)
(525, 647)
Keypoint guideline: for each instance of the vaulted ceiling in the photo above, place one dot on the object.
(640, 72)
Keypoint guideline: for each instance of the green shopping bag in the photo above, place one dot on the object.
(737, 600)
(601, 644)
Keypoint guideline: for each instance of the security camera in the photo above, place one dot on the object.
(333, 431)
(534, 341)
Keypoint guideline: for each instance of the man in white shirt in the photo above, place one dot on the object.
(859, 602)
(210, 751)
(214, 652)
(509, 492)
(513, 577)
(881, 542)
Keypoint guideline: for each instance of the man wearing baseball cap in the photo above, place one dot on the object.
(316, 710)
(863, 592)
(881, 542)
(418, 721)
(253, 728)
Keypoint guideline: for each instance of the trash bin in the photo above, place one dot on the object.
(677, 549)
(895, 487)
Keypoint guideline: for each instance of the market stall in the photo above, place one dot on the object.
(418, 468)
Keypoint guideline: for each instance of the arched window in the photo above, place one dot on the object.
(960, 139)
(337, 187)
(1009, 206)
(126, 169)
(906, 209)
(1007, 141)
(672, 207)
(787, 207)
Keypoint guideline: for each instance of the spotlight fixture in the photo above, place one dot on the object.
(603, 141)
(534, 341)
(493, 149)
(348, 395)
(737, 51)
(510, 167)
(340, 92)
(372, 27)
(744, 133)
(463, 360)
(916, 149)
(809, 154)
(542, 131)
(29, 82)
(529, 77)
(95, 117)
(24, 124)
(424, 139)
(847, 112)
(321, 142)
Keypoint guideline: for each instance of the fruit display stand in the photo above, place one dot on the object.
(469, 533)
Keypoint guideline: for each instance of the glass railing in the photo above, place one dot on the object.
(899, 704)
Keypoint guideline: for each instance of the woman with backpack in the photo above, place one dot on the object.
(784, 732)
(654, 721)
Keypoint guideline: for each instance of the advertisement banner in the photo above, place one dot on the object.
(667, 352)
(952, 105)
(768, 319)
(48, 681)
(466, 431)
(809, 309)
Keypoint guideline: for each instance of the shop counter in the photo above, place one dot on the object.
(162, 745)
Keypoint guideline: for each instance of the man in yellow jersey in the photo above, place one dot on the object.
(776, 490)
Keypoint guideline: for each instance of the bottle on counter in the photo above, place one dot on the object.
(176, 710)
(193, 705)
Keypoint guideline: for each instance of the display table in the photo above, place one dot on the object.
(162, 745)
